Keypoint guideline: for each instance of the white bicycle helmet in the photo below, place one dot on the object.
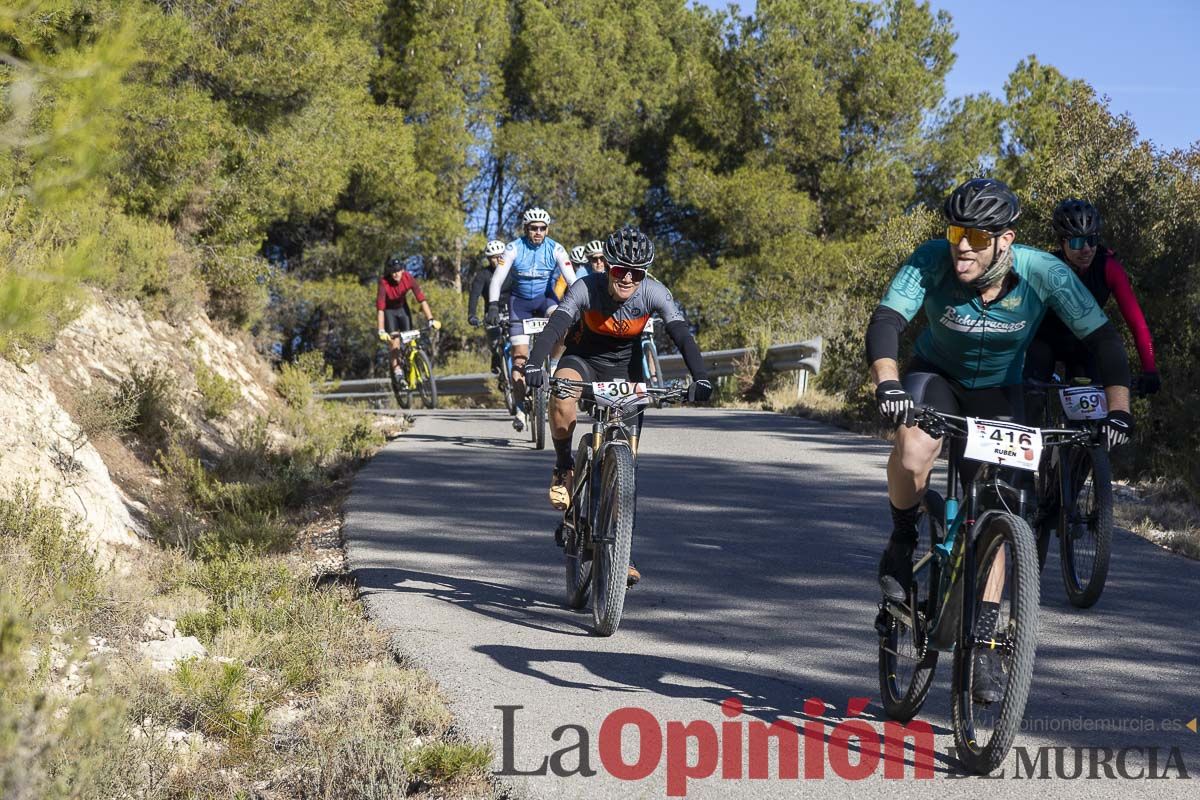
(593, 248)
(536, 214)
(494, 248)
(577, 256)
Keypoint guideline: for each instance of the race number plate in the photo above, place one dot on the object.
(649, 326)
(533, 325)
(409, 336)
(1003, 443)
(626, 393)
(1084, 402)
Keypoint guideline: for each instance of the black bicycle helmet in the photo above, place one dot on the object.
(983, 203)
(1075, 218)
(629, 247)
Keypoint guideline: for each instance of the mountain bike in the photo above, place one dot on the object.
(650, 366)
(1075, 496)
(416, 374)
(974, 549)
(538, 400)
(499, 333)
(596, 532)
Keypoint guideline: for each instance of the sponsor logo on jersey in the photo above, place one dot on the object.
(965, 323)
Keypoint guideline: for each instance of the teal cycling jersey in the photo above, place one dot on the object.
(534, 267)
(983, 344)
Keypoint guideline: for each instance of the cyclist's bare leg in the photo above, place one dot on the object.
(520, 355)
(562, 410)
(995, 582)
(910, 464)
(394, 352)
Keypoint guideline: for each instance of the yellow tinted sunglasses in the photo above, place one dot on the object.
(977, 238)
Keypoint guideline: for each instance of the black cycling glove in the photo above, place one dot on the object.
(894, 403)
(473, 321)
(1149, 383)
(1118, 427)
(534, 376)
(492, 316)
(699, 391)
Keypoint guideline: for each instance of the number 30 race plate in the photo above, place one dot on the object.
(1003, 443)
(1084, 402)
(608, 393)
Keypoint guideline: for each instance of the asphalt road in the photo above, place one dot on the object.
(757, 535)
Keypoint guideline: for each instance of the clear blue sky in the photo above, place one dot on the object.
(1143, 55)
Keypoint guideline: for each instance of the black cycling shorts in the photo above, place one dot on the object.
(930, 388)
(396, 319)
(593, 369)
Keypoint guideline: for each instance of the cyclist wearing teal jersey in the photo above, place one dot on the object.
(983, 299)
(534, 259)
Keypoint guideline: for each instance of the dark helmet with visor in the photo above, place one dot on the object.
(629, 247)
(983, 203)
(1075, 218)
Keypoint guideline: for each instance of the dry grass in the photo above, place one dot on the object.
(1161, 512)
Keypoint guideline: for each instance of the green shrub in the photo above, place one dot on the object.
(218, 394)
(103, 410)
(237, 286)
(216, 699)
(154, 390)
(441, 762)
(298, 378)
(54, 568)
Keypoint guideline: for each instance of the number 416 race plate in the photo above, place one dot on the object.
(1003, 443)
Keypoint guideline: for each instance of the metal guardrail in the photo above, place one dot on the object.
(802, 357)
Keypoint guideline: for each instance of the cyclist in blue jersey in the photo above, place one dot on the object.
(983, 298)
(534, 259)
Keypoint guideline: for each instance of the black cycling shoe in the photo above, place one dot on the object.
(987, 677)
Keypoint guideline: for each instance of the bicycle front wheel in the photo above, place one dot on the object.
(1085, 526)
(576, 544)
(654, 375)
(426, 382)
(614, 530)
(537, 417)
(906, 662)
(984, 729)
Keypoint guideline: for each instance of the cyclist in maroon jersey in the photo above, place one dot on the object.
(1077, 224)
(391, 306)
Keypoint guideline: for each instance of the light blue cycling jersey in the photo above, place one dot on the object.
(982, 345)
(534, 268)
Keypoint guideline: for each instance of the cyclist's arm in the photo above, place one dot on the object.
(501, 273)
(563, 259)
(426, 310)
(380, 305)
(477, 286)
(883, 343)
(663, 304)
(1118, 283)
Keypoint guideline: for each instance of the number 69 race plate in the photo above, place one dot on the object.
(1003, 443)
(1084, 402)
(609, 393)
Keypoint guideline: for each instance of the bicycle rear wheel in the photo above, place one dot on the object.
(906, 663)
(614, 526)
(576, 546)
(426, 382)
(1085, 527)
(984, 732)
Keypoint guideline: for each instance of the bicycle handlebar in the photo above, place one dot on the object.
(937, 424)
(667, 394)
